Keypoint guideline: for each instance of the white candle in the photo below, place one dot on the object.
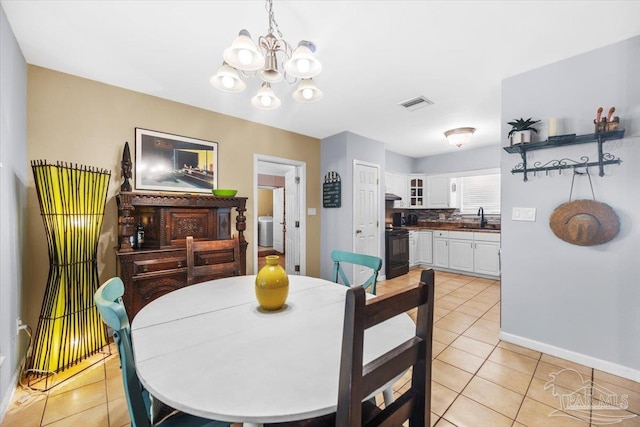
(553, 126)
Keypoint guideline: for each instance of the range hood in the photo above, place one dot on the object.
(391, 196)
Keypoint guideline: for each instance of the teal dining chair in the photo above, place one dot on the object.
(108, 299)
(372, 262)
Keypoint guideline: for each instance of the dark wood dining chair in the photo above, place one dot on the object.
(358, 382)
(212, 259)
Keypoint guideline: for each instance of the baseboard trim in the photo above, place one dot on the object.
(583, 359)
(8, 397)
(448, 270)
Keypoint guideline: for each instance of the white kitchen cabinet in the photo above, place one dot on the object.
(441, 249)
(461, 252)
(425, 247)
(413, 249)
(486, 253)
(400, 188)
(417, 191)
(388, 182)
(438, 192)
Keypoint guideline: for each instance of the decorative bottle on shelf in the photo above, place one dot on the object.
(139, 234)
(272, 285)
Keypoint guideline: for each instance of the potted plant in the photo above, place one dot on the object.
(522, 131)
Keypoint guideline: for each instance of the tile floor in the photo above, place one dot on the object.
(478, 380)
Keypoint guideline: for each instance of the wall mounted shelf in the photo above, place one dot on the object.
(562, 141)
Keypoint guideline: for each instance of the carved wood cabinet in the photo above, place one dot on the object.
(160, 266)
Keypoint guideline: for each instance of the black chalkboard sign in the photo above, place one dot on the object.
(331, 190)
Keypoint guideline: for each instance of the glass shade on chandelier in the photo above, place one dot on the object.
(307, 91)
(273, 60)
(243, 53)
(228, 80)
(266, 98)
(303, 64)
(459, 136)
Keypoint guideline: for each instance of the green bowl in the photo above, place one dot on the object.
(224, 192)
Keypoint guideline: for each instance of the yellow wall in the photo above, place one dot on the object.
(75, 120)
(265, 202)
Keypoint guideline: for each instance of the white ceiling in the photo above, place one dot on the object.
(375, 54)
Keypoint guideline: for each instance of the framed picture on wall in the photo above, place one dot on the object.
(166, 162)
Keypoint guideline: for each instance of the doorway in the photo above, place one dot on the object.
(279, 204)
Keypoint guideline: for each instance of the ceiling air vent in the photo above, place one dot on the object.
(416, 103)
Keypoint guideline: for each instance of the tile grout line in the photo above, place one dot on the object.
(528, 387)
(44, 409)
(106, 392)
(458, 394)
(480, 367)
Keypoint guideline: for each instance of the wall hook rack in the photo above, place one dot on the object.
(561, 141)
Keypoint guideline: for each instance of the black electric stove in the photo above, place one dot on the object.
(396, 251)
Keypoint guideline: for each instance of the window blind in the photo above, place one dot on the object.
(480, 191)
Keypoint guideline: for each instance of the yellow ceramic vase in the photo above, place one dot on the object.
(272, 285)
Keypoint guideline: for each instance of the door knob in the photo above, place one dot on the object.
(358, 231)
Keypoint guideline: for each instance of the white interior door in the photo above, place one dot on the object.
(366, 215)
(292, 222)
(278, 219)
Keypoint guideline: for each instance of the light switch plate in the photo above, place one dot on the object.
(523, 214)
(311, 211)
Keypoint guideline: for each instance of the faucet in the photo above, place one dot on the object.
(483, 220)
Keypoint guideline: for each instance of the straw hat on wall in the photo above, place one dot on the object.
(585, 222)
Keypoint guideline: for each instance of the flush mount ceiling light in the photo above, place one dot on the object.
(245, 58)
(459, 136)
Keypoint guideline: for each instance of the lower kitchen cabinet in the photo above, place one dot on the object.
(413, 249)
(461, 252)
(486, 254)
(425, 247)
(441, 249)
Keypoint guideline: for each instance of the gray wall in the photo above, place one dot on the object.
(580, 303)
(13, 170)
(459, 161)
(337, 154)
(398, 162)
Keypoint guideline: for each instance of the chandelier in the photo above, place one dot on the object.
(245, 58)
(459, 136)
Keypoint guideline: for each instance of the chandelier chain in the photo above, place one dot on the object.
(272, 19)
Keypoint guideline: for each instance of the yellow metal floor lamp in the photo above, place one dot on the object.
(72, 202)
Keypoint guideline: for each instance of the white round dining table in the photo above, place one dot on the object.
(211, 351)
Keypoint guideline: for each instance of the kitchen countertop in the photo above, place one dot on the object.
(453, 226)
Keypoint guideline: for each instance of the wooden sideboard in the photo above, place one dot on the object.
(160, 266)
